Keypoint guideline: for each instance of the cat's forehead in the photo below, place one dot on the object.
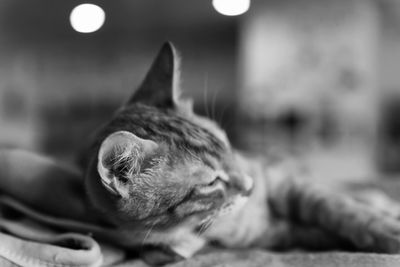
(195, 134)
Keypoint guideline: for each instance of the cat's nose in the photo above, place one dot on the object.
(244, 183)
(248, 184)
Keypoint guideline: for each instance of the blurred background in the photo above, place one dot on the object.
(315, 79)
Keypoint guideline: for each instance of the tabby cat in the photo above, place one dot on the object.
(171, 182)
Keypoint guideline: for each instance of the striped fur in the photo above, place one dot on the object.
(190, 175)
(189, 187)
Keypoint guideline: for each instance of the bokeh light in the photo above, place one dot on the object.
(231, 7)
(87, 18)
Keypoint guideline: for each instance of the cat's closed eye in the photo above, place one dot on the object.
(219, 178)
(217, 184)
(213, 182)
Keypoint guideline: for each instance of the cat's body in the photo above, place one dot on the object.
(172, 180)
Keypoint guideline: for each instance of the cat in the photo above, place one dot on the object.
(172, 183)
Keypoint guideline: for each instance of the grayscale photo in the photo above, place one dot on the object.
(200, 133)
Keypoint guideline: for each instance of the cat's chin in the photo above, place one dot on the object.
(233, 206)
(164, 222)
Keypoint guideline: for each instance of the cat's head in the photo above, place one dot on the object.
(158, 164)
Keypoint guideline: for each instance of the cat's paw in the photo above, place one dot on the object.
(380, 234)
(159, 255)
(379, 201)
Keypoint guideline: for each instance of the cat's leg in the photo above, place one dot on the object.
(283, 235)
(308, 205)
(167, 247)
(159, 255)
(311, 238)
(378, 200)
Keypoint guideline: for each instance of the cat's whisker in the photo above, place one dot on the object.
(221, 117)
(201, 230)
(148, 233)
(205, 100)
(210, 222)
(213, 105)
(205, 226)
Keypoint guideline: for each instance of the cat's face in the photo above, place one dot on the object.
(158, 164)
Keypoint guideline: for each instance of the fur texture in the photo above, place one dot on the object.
(172, 180)
(190, 172)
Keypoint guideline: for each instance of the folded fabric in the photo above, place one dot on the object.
(29, 238)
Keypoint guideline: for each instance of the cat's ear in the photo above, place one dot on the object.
(160, 86)
(121, 155)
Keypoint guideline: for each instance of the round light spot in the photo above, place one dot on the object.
(87, 18)
(231, 7)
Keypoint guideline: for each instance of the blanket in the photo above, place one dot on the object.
(43, 222)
